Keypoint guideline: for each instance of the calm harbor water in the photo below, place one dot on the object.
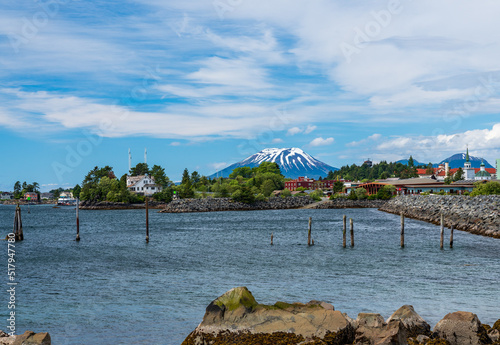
(113, 288)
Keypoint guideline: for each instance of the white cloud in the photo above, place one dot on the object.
(277, 141)
(175, 143)
(484, 142)
(321, 142)
(230, 72)
(373, 137)
(294, 130)
(309, 129)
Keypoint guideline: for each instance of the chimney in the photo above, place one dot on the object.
(447, 168)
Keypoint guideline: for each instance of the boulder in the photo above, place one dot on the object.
(414, 323)
(370, 320)
(32, 338)
(236, 317)
(494, 335)
(462, 328)
(6, 339)
(392, 333)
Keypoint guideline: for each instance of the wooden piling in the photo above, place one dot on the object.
(18, 225)
(442, 231)
(147, 221)
(352, 231)
(309, 232)
(451, 236)
(272, 237)
(402, 230)
(312, 241)
(344, 234)
(77, 219)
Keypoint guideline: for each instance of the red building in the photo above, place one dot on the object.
(310, 183)
(31, 196)
(307, 183)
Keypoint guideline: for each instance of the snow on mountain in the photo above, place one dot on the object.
(293, 163)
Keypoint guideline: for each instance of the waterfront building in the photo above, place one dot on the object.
(498, 169)
(143, 185)
(304, 182)
(47, 196)
(31, 196)
(7, 196)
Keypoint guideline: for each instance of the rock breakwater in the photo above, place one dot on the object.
(346, 203)
(237, 318)
(227, 204)
(478, 215)
(106, 205)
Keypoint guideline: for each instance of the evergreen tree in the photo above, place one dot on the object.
(410, 162)
(140, 169)
(185, 177)
(76, 191)
(459, 175)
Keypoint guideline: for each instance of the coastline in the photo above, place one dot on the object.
(478, 215)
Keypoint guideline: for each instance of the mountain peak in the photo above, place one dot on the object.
(293, 162)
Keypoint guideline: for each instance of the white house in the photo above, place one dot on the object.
(7, 196)
(143, 184)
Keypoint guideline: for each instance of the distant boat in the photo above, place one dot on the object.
(66, 202)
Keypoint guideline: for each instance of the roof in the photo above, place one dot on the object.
(412, 181)
(483, 173)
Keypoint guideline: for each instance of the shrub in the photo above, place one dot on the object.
(286, 193)
(260, 197)
(316, 195)
(372, 197)
(487, 188)
(300, 189)
(361, 193)
(352, 196)
(385, 193)
(244, 194)
(337, 196)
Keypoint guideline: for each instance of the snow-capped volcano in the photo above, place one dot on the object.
(293, 163)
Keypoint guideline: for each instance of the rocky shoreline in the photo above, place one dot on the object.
(227, 204)
(237, 318)
(106, 205)
(346, 203)
(478, 215)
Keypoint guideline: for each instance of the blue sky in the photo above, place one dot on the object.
(203, 84)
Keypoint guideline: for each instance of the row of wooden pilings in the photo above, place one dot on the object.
(18, 228)
(310, 240)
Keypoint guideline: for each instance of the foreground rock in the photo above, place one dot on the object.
(28, 338)
(237, 318)
(227, 204)
(478, 215)
(462, 328)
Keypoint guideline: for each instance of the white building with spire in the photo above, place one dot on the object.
(469, 171)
